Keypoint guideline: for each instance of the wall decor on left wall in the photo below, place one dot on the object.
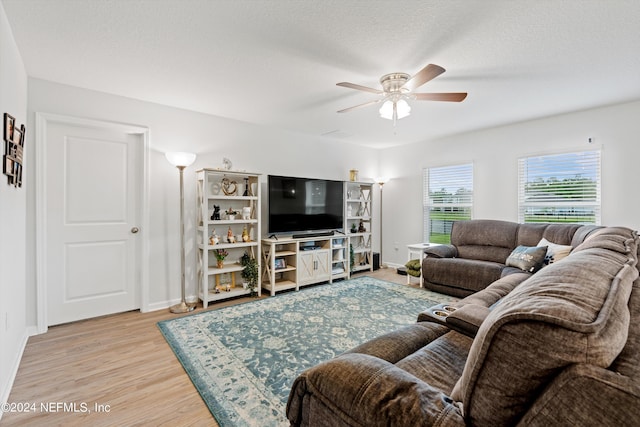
(14, 148)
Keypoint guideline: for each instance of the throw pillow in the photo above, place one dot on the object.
(555, 252)
(527, 258)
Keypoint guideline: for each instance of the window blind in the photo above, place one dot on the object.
(560, 188)
(447, 197)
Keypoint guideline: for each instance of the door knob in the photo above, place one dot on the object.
(134, 230)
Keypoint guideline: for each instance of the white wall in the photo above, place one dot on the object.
(250, 147)
(13, 325)
(494, 153)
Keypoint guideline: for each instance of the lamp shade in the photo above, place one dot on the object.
(400, 107)
(386, 111)
(403, 109)
(180, 158)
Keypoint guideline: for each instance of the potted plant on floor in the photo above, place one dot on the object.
(250, 272)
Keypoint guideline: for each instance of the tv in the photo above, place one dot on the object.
(305, 206)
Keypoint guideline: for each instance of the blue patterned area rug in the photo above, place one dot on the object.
(243, 359)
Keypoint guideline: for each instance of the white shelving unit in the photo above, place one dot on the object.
(339, 258)
(229, 190)
(279, 268)
(358, 223)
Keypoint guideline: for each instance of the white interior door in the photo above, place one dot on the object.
(93, 205)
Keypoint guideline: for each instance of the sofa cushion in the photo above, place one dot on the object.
(439, 363)
(468, 274)
(496, 291)
(360, 390)
(483, 239)
(571, 312)
(530, 234)
(527, 258)
(396, 345)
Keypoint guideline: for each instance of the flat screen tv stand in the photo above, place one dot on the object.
(290, 262)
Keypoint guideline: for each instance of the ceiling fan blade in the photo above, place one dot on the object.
(451, 97)
(359, 87)
(429, 72)
(360, 105)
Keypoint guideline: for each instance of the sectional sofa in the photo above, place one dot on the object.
(557, 347)
(480, 251)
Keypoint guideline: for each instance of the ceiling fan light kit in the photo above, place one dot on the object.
(394, 110)
(397, 90)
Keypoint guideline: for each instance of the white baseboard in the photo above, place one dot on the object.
(162, 305)
(393, 265)
(6, 388)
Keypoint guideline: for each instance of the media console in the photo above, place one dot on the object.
(295, 260)
(289, 262)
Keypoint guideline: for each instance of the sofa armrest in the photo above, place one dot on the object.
(464, 318)
(441, 251)
(358, 389)
(586, 395)
(467, 319)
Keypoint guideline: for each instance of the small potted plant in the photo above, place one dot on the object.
(231, 213)
(250, 272)
(220, 255)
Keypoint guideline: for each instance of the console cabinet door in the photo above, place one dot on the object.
(322, 265)
(306, 265)
(314, 266)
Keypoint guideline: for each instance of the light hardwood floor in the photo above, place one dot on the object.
(120, 363)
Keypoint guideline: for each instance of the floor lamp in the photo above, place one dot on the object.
(381, 181)
(181, 160)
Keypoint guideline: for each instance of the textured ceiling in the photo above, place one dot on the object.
(276, 63)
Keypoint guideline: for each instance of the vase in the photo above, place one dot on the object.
(220, 263)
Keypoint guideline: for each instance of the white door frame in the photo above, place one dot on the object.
(42, 120)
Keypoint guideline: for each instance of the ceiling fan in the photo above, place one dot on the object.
(397, 89)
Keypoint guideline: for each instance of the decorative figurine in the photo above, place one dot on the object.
(230, 237)
(361, 228)
(246, 187)
(246, 212)
(229, 187)
(245, 234)
(216, 213)
(214, 239)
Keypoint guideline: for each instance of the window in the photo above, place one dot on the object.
(447, 197)
(560, 188)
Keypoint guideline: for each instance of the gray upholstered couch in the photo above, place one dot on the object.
(560, 347)
(479, 251)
